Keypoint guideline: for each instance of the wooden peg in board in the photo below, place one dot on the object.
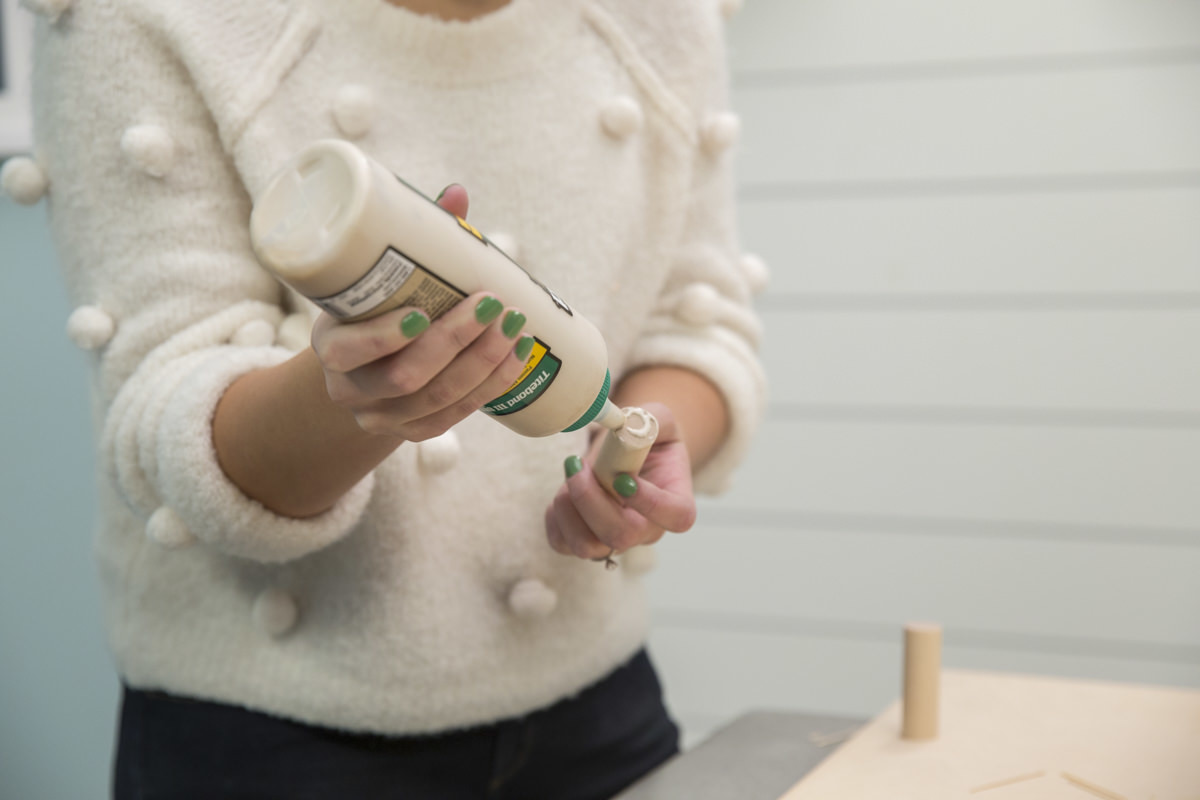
(922, 680)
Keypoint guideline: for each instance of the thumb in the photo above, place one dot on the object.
(454, 199)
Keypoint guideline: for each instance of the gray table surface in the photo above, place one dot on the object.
(758, 756)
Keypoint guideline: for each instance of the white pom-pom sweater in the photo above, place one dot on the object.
(391, 612)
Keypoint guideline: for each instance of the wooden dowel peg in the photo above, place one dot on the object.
(625, 449)
(922, 680)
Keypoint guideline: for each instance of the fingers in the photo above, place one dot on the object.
(666, 502)
(417, 381)
(568, 533)
(583, 520)
(554, 534)
(445, 363)
(401, 375)
(668, 427)
(454, 199)
(342, 347)
(672, 510)
(432, 413)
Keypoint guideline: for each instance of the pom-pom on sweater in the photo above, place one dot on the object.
(427, 599)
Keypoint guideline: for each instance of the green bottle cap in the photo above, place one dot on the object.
(596, 407)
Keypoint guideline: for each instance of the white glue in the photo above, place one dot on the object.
(345, 232)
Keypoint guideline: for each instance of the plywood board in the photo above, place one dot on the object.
(1015, 737)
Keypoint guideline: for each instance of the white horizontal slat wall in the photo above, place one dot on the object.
(983, 223)
(1016, 245)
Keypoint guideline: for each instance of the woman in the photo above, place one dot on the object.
(324, 575)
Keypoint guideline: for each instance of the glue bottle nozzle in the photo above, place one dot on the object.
(611, 417)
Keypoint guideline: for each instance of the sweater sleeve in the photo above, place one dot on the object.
(149, 219)
(704, 319)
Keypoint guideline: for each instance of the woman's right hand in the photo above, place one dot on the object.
(402, 376)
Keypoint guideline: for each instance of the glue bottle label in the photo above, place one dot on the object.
(397, 280)
(541, 368)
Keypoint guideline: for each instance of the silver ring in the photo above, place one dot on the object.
(608, 561)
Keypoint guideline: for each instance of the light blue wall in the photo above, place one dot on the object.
(58, 689)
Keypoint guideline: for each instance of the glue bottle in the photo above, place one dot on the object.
(355, 239)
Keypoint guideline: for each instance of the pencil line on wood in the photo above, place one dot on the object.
(1088, 786)
(1009, 781)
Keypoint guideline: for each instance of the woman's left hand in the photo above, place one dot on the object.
(585, 520)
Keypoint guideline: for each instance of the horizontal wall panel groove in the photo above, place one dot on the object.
(1047, 595)
(722, 513)
(979, 301)
(1120, 477)
(1078, 248)
(753, 190)
(881, 632)
(880, 414)
(1144, 121)
(725, 673)
(1023, 367)
(847, 34)
(963, 68)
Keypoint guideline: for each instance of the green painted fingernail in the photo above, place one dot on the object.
(413, 323)
(524, 347)
(488, 309)
(626, 485)
(572, 465)
(513, 322)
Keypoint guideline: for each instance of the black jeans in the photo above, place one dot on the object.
(587, 747)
